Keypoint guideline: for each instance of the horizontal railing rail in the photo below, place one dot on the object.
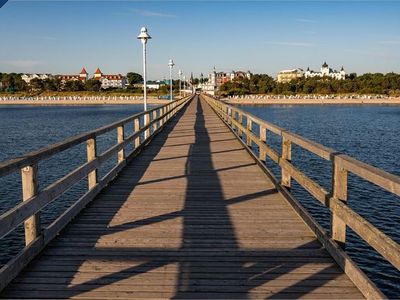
(34, 200)
(342, 215)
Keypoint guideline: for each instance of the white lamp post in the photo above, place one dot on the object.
(184, 82)
(144, 37)
(180, 82)
(171, 65)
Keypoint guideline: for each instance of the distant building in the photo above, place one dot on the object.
(289, 75)
(110, 81)
(216, 79)
(28, 77)
(326, 72)
(82, 76)
(155, 85)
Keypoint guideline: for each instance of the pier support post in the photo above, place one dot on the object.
(155, 123)
(136, 125)
(287, 155)
(339, 188)
(249, 130)
(30, 189)
(263, 139)
(146, 123)
(120, 139)
(240, 121)
(91, 150)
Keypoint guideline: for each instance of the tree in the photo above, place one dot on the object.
(49, 84)
(74, 86)
(134, 78)
(93, 85)
(36, 85)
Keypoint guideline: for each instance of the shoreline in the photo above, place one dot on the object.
(340, 101)
(80, 102)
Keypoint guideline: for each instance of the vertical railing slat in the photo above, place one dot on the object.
(91, 149)
(263, 139)
(136, 124)
(249, 130)
(287, 155)
(120, 139)
(30, 189)
(339, 191)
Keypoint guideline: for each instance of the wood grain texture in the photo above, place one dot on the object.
(192, 216)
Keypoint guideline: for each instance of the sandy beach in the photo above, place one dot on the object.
(341, 101)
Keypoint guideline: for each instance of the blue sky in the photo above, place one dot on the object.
(261, 36)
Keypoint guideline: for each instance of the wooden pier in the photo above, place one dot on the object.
(190, 213)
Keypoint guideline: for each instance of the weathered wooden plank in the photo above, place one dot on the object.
(29, 190)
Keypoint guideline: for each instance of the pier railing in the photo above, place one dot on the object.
(145, 126)
(342, 216)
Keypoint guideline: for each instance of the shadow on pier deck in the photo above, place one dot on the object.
(193, 216)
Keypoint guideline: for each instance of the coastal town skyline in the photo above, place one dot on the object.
(266, 36)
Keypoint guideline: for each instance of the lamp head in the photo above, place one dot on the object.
(171, 63)
(144, 36)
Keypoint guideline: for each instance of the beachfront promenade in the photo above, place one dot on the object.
(191, 212)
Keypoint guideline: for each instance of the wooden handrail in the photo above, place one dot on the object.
(342, 214)
(27, 211)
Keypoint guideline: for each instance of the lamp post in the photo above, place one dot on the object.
(180, 82)
(184, 82)
(144, 37)
(171, 65)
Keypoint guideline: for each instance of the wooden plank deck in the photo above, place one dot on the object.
(193, 216)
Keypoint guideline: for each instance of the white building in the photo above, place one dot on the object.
(216, 79)
(28, 77)
(155, 85)
(326, 72)
(289, 75)
(110, 81)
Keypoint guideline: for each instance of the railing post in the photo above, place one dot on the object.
(339, 191)
(91, 149)
(120, 139)
(155, 123)
(240, 121)
(287, 155)
(30, 189)
(160, 113)
(249, 130)
(263, 139)
(146, 122)
(136, 125)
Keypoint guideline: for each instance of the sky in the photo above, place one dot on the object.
(60, 37)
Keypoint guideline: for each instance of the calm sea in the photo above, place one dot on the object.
(368, 133)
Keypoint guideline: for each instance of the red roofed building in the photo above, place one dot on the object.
(83, 76)
(110, 81)
(97, 75)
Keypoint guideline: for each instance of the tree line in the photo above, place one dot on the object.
(13, 82)
(369, 83)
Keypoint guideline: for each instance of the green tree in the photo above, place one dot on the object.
(74, 86)
(93, 85)
(36, 85)
(134, 78)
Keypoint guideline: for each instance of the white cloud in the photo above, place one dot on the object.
(291, 44)
(149, 13)
(22, 63)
